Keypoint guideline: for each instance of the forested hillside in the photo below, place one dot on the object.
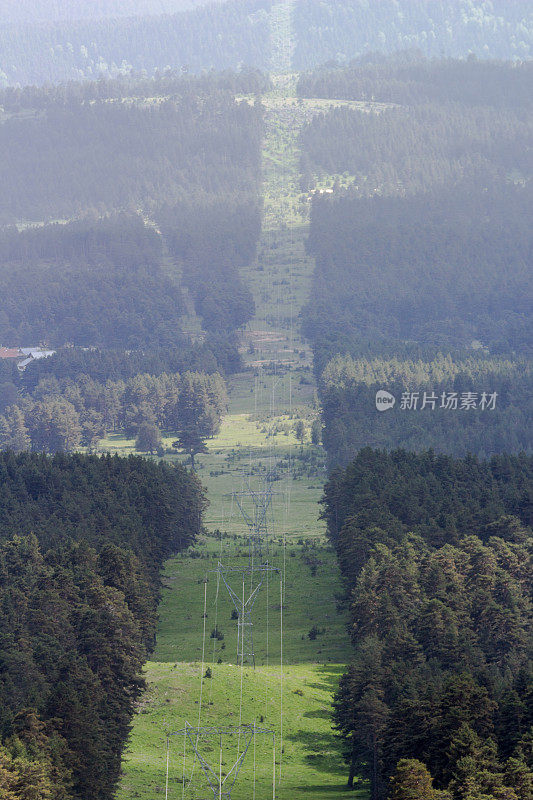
(212, 355)
(123, 157)
(441, 269)
(422, 245)
(345, 29)
(76, 364)
(139, 172)
(436, 555)
(53, 45)
(222, 232)
(88, 283)
(429, 144)
(74, 151)
(441, 403)
(214, 36)
(408, 78)
(136, 88)
(193, 191)
(82, 540)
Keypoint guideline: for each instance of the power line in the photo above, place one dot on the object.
(255, 502)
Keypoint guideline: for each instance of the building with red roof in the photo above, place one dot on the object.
(11, 352)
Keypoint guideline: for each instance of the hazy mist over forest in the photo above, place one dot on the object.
(266, 442)
(52, 10)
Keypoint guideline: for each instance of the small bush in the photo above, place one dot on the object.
(313, 633)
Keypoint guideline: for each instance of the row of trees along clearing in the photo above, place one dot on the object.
(64, 415)
(436, 557)
(348, 388)
(82, 541)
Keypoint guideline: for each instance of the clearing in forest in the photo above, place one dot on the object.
(258, 432)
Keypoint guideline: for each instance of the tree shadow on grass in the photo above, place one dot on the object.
(330, 676)
(322, 714)
(322, 752)
(359, 793)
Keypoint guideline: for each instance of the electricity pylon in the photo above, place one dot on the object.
(199, 741)
(244, 601)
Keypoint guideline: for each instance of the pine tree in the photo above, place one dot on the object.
(411, 781)
(299, 431)
(197, 413)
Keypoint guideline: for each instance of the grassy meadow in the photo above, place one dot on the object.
(311, 762)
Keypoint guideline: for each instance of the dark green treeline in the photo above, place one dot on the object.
(436, 557)
(82, 540)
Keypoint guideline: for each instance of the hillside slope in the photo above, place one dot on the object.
(88, 41)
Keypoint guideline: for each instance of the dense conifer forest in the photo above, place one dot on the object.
(421, 248)
(418, 149)
(409, 78)
(440, 417)
(170, 83)
(443, 269)
(107, 283)
(224, 233)
(213, 355)
(436, 556)
(45, 10)
(156, 184)
(52, 47)
(89, 284)
(214, 36)
(345, 29)
(82, 540)
(75, 151)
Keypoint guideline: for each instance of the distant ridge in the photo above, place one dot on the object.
(56, 40)
(68, 10)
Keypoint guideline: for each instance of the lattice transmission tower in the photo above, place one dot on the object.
(213, 780)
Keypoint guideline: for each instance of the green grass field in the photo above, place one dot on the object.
(310, 574)
(310, 760)
(256, 436)
(311, 763)
(264, 443)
